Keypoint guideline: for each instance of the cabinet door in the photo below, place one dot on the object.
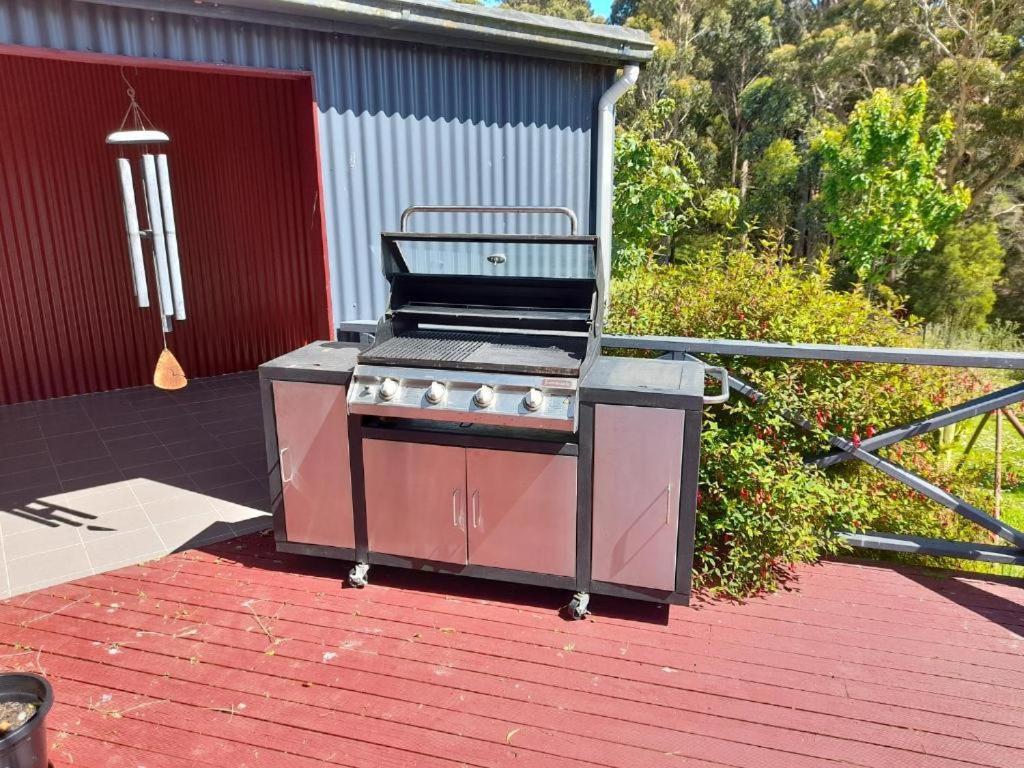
(312, 440)
(522, 510)
(637, 466)
(416, 500)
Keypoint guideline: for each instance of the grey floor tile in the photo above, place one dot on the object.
(26, 479)
(108, 434)
(193, 446)
(101, 499)
(218, 477)
(23, 462)
(179, 506)
(77, 446)
(185, 433)
(126, 446)
(25, 429)
(45, 512)
(251, 493)
(17, 411)
(234, 512)
(161, 471)
(57, 424)
(206, 461)
(147, 490)
(195, 531)
(40, 539)
(51, 567)
(118, 417)
(123, 548)
(21, 447)
(117, 476)
(98, 480)
(141, 457)
(86, 467)
(240, 438)
(114, 523)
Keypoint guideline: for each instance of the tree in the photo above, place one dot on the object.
(977, 61)
(955, 285)
(655, 191)
(773, 178)
(576, 10)
(882, 198)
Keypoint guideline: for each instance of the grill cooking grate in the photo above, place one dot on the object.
(483, 351)
(445, 348)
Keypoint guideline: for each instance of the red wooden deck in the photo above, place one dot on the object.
(237, 656)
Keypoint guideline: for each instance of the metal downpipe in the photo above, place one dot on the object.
(605, 163)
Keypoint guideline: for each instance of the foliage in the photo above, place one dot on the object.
(956, 286)
(745, 75)
(882, 198)
(660, 193)
(761, 507)
(773, 180)
(576, 10)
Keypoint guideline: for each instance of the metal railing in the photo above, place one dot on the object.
(844, 449)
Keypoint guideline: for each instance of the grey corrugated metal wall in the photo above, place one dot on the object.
(400, 124)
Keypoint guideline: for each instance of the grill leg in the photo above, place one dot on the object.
(578, 606)
(358, 576)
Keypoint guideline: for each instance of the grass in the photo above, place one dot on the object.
(982, 458)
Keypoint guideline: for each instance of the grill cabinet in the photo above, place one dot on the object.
(482, 433)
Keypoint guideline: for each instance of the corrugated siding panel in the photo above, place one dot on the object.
(243, 177)
(399, 125)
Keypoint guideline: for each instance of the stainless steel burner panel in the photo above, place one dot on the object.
(539, 402)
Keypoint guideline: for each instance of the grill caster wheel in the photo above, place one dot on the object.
(578, 606)
(357, 577)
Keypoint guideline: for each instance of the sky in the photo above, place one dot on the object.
(601, 7)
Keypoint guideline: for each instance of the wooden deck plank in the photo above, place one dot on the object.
(178, 587)
(892, 626)
(968, 751)
(212, 654)
(932, 676)
(743, 630)
(922, 658)
(488, 675)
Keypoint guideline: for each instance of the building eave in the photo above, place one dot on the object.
(429, 21)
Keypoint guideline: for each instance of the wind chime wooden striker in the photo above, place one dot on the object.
(137, 131)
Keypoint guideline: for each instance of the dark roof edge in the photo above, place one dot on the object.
(429, 21)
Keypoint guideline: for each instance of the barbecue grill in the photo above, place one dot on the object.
(483, 328)
(482, 433)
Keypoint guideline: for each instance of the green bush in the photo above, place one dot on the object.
(761, 508)
(955, 285)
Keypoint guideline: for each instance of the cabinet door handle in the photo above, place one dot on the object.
(476, 509)
(291, 474)
(455, 508)
(668, 505)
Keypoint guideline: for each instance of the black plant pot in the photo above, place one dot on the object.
(25, 746)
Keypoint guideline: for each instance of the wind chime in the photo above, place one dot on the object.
(137, 130)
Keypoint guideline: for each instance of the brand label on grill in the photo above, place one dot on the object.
(557, 383)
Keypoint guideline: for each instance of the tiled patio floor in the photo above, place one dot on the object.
(96, 482)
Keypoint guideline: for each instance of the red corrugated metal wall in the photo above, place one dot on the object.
(244, 174)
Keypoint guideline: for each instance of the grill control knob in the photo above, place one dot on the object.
(533, 399)
(484, 396)
(435, 392)
(388, 389)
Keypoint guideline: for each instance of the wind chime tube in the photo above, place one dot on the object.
(156, 227)
(131, 224)
(171, 235)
